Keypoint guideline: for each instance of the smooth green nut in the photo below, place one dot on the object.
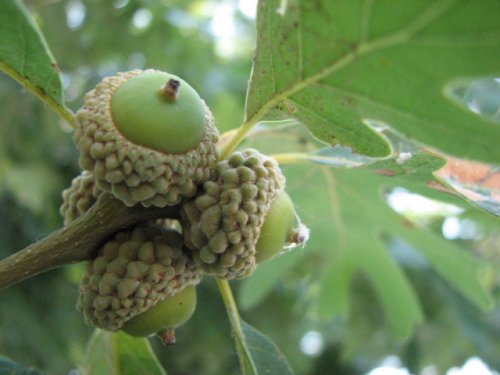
(160, 111)
(167, 314)
(278, 230)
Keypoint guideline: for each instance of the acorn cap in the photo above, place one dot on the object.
(222, 225)
(133, 172)
(131, 273)
(79, 197)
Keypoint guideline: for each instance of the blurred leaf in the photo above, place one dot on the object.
(31, 184)
(25, 56)
(256, 353)
(8, 367)
(335, 64)
(480, 95)
(351, 232)
(256, 287)
(121, 354)
(265, 354)
(479, 183)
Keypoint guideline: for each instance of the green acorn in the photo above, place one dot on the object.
(164, 317)
(147, 137)
(282, 230)
(133, 272)
(78, 198)
(222, 225)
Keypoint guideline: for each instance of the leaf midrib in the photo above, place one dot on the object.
(431, 14)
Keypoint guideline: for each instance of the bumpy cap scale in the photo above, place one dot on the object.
(147, 137)
(222, 225)
(132, 273)
(79, 197)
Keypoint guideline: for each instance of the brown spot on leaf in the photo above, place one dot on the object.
(56, 67)
(348, 101)
(472, 179)
(385, 172)
(384, 63)
(471, 173)
(290, 107)
(408, 223)
(436, 185)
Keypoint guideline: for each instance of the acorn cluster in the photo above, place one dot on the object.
(147, 138)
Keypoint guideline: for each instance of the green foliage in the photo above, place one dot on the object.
(25, 56)
(357, 243)
(8, 367)
(344, 70)
(335, 64)
(120, 354)
(266, 356)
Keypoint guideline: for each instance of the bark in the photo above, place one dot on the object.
(78, 241)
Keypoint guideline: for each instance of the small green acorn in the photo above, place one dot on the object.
(147, 137)
(281, 230)
(164, 317)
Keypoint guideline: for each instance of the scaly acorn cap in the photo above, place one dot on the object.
(147, 137)
(133, 272)
(222, 225)
(79, 197)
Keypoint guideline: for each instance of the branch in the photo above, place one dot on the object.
(77, 241)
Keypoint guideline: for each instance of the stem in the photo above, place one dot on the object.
(237, 138)
(294, 158)
(64, 112)
(78, 241)
(247, 365)
(310, 158)
(57, 107)
(230, 304)
(170, 90)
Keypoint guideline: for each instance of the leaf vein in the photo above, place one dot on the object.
(387, 107)
(300, 51)
(433, 13)
(365, 20)
(23, 49)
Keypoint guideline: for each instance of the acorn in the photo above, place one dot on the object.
(164, 317)
(78, 198)
(147, 137)
(131, 273)
(222, 224)
(282, 230)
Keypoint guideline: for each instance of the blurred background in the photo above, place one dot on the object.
(210, 44)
